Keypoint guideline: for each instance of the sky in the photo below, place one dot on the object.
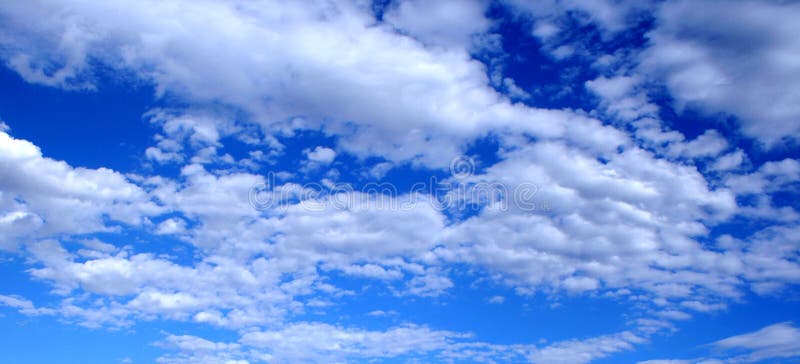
(399, 181)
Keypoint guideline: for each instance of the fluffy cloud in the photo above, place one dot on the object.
(36, 189)
(715, 56)
(430, 105)
(628, 214)
(732, 57)
(302, 73)
(612, 224)
(322, 155)
(449, 23)
(142, 286)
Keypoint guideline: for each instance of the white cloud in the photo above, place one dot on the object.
(171, 226)
(611, 224)
(622, 218)
(554, 21)
(192, 349)
(585, 351)
(709, 144)
(729, 161)
(497, 299)
(379, 170)
(381, 313)
(24, 306)
(774, 342)
(71, 200)
(609, 16)
(314, 342)
(732, 57)
(161, 156)
(389, 96)
(714, 56)
(321, 155)
(142, 286)
(620, 97)
(310, 342)
(448, 23)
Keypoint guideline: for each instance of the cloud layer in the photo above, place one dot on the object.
(621, 205)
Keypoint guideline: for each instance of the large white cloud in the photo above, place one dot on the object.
(732, 57)
(628, 215)
(312, 60)
(735, 58)
(40, 196)
(449, 23)
(383, 93)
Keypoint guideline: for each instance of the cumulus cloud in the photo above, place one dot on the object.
(619, 207)
(713, 56)
(731, 57)
(303, 40)
(430, 106)
(71, 200)
(601, 212)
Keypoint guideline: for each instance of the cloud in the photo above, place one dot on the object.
(709, 144)
(774, 342)
(449, 23)
(496, 299)
(305, 40)
(608, 16)
(192, 349)
(694, 50)
(310, 342)
(24, 306)
(730, 161)
(381, 313)
(585, 351)
(71, 200)
(171, 226)
(597, 216)
(744, 69)
(321, 155)
(625, 206)
(554, 23)
(619, 206)
(430, 105)
(620, 97)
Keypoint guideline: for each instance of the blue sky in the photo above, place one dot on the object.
(399, 181)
